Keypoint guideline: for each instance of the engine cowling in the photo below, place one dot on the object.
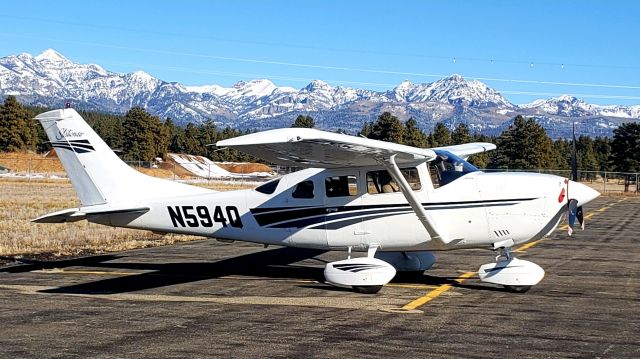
(364, 274)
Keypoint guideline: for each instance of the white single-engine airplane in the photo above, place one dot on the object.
(396, 203)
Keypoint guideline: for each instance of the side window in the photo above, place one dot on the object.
(382, 182)
(411, 175)
(269, 187)
(341, 186)
(303, 189)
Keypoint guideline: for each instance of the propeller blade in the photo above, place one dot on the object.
(573, 213)
(580, 217)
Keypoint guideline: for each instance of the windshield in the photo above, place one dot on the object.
(448, 167)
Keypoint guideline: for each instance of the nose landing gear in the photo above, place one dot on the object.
(514, 274)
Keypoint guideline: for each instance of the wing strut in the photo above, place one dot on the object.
(415, 204)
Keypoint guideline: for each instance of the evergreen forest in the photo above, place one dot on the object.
(140, 136)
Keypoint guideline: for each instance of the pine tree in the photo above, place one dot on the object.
(304, 122)
(387, 128)
(366, 129)
(561, 154)
(625, 147)
(602, 149)
(441, 135)
(524, 145)
(176, 142)
(461, 134)
(17, 129)
(108, 127)
(144, 136)
(192, 145)
(413, 136)
(586, 160)
(208, 137)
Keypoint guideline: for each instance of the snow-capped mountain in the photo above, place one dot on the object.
(573, 107)
(50, 79)
(453, 90)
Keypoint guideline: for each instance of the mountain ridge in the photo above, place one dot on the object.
(50, 79)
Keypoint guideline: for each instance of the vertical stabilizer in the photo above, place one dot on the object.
(97, 174)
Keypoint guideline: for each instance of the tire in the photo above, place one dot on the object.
(367, 289)
(518, 288)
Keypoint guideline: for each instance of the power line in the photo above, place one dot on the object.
(453, 58)
(343, 68)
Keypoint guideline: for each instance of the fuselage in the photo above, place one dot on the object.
(340, 208)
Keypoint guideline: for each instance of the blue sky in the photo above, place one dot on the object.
(555, 47)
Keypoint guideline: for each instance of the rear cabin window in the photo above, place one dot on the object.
(303, 190)
(382, 182)
(341, 186)
(269, 187)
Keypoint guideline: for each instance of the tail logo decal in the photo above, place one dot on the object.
(77, 146)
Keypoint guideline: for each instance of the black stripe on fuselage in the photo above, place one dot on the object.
(305, 222)
(297, 217)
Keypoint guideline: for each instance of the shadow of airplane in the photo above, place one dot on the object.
(28, 265)
(274, 263)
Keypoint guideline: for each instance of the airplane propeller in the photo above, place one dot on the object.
(575, 212)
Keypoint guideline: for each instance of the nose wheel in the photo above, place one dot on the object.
(514, 274)
(518, 288)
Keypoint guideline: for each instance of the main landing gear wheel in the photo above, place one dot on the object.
(367, 289)
(364, 275)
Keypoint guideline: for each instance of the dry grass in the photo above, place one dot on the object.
(244, 167)
(22, 200)
(24, 162)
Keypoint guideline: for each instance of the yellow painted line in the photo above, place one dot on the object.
(411, 286)
(526, 246)
(436, 292)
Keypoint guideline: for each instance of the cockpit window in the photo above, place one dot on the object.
(269, 187)
(303, 189)
(341, 186)
(448, 167)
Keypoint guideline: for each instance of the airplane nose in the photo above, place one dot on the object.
(581, 192)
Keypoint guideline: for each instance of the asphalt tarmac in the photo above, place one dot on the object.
(210, 299)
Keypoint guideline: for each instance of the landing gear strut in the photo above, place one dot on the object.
(362, 274)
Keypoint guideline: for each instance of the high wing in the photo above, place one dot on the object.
(305, 147)
(465, 150)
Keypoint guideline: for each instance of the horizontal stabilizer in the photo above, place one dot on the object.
(78, 214)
